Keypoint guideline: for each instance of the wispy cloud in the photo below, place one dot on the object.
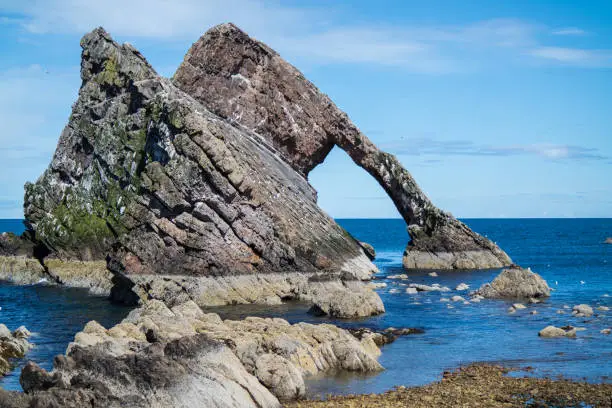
(432, 147)
(570, 31)
(575, 56)
(314, 33)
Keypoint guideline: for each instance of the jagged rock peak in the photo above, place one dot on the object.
(102, 54)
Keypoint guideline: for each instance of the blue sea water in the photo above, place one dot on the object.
(568, 253)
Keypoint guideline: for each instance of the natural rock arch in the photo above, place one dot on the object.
(243, 80)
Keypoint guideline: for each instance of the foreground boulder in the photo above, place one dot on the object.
(183, 357)
(12, 345)
(515, 283)
(243, 80)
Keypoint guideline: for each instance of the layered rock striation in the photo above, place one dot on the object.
(182, 203)
(245, 81)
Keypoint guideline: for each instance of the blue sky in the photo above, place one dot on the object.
(498, 108)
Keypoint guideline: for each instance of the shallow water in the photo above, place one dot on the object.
(564, 252)
(53, 315)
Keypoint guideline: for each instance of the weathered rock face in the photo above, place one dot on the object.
(513, 283)
(12, 345)
(245, 81)
(182, 357)
(146, 175)
(192, 371)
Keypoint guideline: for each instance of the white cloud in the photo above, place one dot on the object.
(570, 31)
(310, 34)
(575, 56)
(438, 148)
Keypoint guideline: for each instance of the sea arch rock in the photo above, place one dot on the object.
(245, 81)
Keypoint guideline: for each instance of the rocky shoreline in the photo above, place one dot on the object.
(160, 356)
(479, 385)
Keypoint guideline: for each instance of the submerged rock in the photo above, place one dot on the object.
(383, 337)
(13, 345)
(514, 283)
(427, 288)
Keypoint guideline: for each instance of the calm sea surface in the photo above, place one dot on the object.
(568, 253)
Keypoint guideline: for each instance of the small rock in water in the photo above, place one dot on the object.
(603, 308)
(457, 299)
(400, 276)
(608, 240)
(534, 301)
(552, 331)
(606, 331)
(533, 312)
(511, 309)
(515, 282)
(560, 312)
(582, 311)
(466, 302)
(378, 285)
(433, 274)
(394, 290)
(462, 286)
(411, 291)
(427, 288)
(582, 282)
(444, 300)
(566, 307)
(519, 306)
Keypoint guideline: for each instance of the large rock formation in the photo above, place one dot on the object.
(182, 357)
(245, 81)
(196, 188)
(182, 202)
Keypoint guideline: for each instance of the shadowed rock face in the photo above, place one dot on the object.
(245, 81)
(181, 202)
